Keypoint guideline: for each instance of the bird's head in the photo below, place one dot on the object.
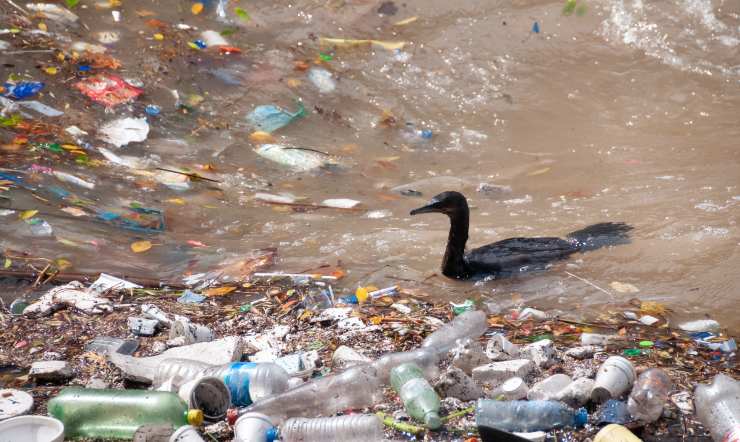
(450, 203)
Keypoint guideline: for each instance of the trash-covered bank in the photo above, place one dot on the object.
(376, 364)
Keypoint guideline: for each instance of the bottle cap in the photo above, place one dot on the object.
(581, 417)
(195, 417)
(432, 420)
(271, 434)
(232, 414)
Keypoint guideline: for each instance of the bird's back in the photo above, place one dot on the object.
(510, 255)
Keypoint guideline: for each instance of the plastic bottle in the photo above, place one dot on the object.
(354, 427)
(649, 395)
(249, 382)
(469, 325)
(178, 371)
(356, 387)
(411, 134)
(425, 358)
(718, 407)
(117, 414)
(418, 396)
(525, 416)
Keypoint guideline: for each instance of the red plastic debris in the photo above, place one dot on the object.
(229, 50)
(108, 90)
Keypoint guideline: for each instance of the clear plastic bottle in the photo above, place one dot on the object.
(425, 358)
(418, 396)
(526, 416)
(356, 387)
(718, 407)
(116, 414)
(354, 427)
(178, 371)
(649, 395)
(470, 325)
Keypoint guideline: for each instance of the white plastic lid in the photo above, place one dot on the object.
(14, 403)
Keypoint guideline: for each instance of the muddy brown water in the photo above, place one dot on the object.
(626, 112)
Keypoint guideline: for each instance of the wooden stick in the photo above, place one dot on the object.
(589, 283)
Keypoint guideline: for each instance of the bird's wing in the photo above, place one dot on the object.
(519, 251)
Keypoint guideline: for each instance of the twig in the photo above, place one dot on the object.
(388, 421)
(589, 283)
(31, 51)
(41, 274)
(194, 176)
(457, 414)
(23, 11)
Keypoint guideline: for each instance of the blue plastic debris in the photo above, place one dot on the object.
(22, 89)
(614, 412)
(269, 118)
(200, 43)
(536, 27)
(189, 297)
(152, 110)
(84, 68)
(712, 341)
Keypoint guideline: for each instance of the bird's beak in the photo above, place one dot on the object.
(429, 208)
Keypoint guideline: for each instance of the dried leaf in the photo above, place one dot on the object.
(74, 211)
(141, 246)
(62, 263)
(219, 291)
(349, 43)
(197, 8)
(652, 308)
(8, 263)
(261, 137)
(27, 214)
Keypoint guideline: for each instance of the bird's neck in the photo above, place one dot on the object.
(453, 263)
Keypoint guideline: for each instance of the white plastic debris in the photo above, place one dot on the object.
(497, 372)
(500, 349)
(344, 357)
(700, 325)
(108, 37)
(322, 79)
(45, 371)
(142, 326)
(340, 203)
(106, 282)
(284, 198)
(213, 38)
(541, 352)
(649, 320)
(71, 179)
(298, 159)
(14, 403)
(81, 46)
(73, 295)
(123, 131)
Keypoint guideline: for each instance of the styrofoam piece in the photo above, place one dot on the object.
(14, 403)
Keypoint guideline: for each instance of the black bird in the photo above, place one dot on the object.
(511, 256)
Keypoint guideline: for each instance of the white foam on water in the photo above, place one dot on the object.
(687, 34)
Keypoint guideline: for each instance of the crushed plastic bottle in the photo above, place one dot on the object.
(470, 325)
(524, 416)
(418, 396)
(22, 89)
(117, 414)
(354, 427)
(718, 408)
(649, 395)
(357, 387)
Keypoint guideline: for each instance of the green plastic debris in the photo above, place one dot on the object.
(325, 57)
(632, 352)
(245, 308)
(466, 306)
(646, 344)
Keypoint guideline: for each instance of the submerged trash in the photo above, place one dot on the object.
(297, 158)
(21, 90)
(322, 79)
(269, 118)
(124, 131)
(108, 89)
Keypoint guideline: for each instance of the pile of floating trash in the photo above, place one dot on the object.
(299, 362)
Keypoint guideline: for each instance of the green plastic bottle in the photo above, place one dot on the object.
(116, 414)
(418, 396)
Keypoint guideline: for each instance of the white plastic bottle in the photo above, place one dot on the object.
(718, 408)
(354, 427)
(470, 325)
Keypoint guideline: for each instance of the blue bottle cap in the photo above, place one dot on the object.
(271, 434)
(426, 134)
(581, 417)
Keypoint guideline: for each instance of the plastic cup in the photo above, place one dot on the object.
(514, 389)
(615, 433)
(208, 394)
(187, 433)
(254, 427)
(31, 429)
(615, 377)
